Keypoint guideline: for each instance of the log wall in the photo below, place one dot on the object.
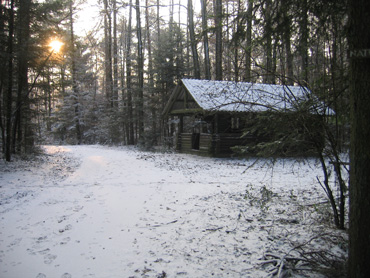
(217, 145)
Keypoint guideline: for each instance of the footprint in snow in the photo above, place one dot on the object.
(77, 208)
(65, 241)
(45, 251)
(41, 239)
(61, 219)
(66, 228)
(82, 217)
(49, 258)
(41, 275)
(66, 275)
(14, 242)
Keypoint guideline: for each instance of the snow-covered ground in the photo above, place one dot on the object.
(94, 211)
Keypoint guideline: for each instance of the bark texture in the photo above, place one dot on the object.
(359, 38)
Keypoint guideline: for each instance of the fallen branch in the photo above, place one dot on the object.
(246, 219)
(308, 259)
(213, 229)
(162, 224)
(279, 263)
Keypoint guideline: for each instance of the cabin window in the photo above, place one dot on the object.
(201, 126)
(235, 123)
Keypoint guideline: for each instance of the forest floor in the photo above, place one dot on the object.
(97, 211)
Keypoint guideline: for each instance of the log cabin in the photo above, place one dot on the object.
(207, 117)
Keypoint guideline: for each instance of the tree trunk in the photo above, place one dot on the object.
(3, 71)
(130, 134)
(218, 28)
(287, 23)
(115, 56)
(193, 41)
(9, 98)
(158, 21)
(359, 231)
(303, 48)
(207, 62)
(151, 74)
(170, 55)
(248, 51)
(236, 48)
(140, 61)
(122, 77)
(22, 130)
(268, 77)
(108, 53)
(75, 91)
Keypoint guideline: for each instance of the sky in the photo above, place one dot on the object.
(88, 17)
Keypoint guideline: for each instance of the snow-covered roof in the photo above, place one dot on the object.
(243, 96)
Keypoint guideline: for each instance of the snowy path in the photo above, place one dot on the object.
(123, 213)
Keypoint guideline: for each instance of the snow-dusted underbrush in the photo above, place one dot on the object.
(18, 176)
(93, 211)
(283, 210)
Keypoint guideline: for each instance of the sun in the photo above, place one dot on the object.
(55, 45)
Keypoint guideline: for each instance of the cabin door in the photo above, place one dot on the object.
(200, 126)
(195, 139)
